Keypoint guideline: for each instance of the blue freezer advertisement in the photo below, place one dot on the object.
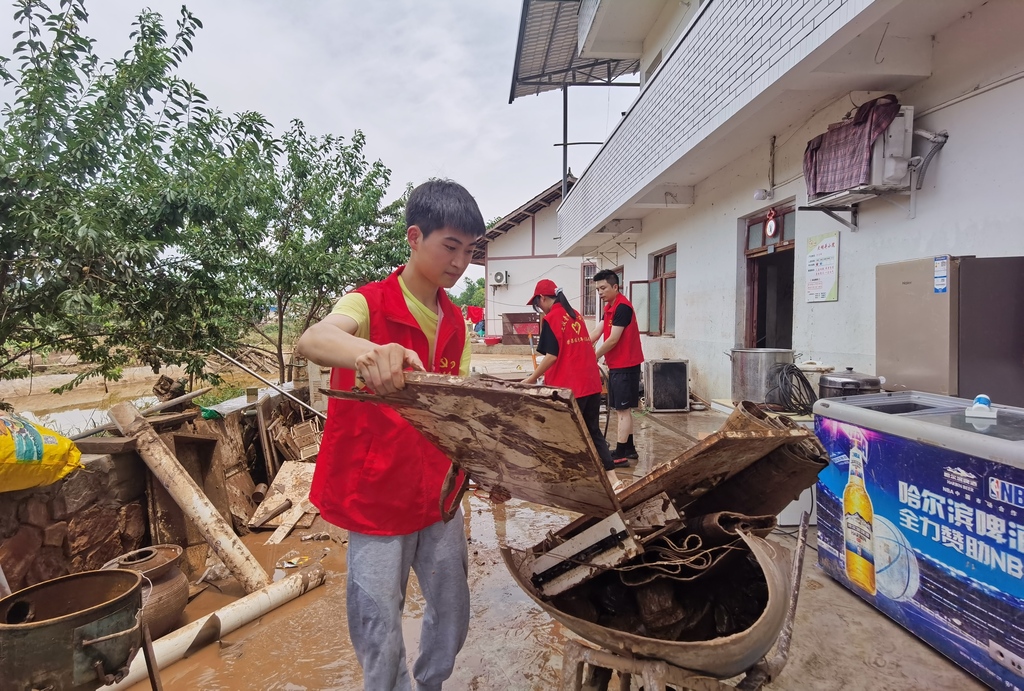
(931, 537)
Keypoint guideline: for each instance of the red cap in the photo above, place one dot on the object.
(545, 286)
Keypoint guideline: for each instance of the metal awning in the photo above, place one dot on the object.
(547, 56)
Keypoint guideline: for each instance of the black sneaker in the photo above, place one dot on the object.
(621, 462)
(631, 452)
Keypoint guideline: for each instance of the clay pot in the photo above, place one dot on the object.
(165, 593)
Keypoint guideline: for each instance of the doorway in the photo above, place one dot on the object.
(770, 279)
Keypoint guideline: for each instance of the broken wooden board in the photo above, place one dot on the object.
(527, 440)
(229, 456)
(264, 408)
(707, 464)
(292, 483)
(290, 519)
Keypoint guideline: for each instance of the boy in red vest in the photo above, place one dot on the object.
(376, 476)
(569, 363)
(623, 355)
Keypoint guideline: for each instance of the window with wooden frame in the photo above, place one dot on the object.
(588, 294)
(660, 294)
(771, 231)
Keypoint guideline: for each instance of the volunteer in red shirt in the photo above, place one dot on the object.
(569, 362)
(376, 475)
(623, 355)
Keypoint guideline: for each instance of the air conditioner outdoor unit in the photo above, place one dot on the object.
(890, 165)
(500, 278)
(666, 385)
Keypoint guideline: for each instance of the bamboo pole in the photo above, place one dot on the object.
(147, 412)
(200, 633)
(188, 495)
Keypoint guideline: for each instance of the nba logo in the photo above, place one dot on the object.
(1006, 492)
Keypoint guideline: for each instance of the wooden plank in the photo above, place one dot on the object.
(292, 483)
(289, 519)
(264, 407)
(106, 444)
(172, 421)
(527, 440)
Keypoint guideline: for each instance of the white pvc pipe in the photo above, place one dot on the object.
(200, 633)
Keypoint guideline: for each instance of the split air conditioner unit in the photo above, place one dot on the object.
(890, 165)
(500, 278)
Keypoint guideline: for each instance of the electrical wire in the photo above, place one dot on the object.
(789, 391)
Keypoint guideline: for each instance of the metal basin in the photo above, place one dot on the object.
(720, 657)
(71, 633)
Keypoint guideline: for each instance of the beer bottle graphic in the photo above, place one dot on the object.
(858, 521)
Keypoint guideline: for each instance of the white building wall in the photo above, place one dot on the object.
(735, 51)
(969, 205)
(528, 254)
(662, 36)
(546, 231)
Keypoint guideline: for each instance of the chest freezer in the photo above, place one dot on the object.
(921, 514)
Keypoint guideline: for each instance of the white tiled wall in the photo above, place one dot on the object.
(759, 40)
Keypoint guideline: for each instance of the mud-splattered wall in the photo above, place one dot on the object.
(79, 523)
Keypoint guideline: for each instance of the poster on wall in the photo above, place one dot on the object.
(823, 268)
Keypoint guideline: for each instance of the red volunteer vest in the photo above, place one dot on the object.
(375, 473)
(627, 352)
(576, 366)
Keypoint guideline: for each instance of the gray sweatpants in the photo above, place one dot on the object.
(378, 573)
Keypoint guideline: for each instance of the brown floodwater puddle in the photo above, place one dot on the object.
(304, 644)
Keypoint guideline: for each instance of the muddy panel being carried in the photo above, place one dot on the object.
(708, 464)
(527, 440)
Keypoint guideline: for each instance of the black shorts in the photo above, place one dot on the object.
(624, 388)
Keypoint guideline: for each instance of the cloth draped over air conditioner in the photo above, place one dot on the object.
(840, 159)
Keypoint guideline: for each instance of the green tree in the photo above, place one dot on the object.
(326, 228)
(473, 293)
(123, 198)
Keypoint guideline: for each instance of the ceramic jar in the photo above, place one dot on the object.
(164, 587)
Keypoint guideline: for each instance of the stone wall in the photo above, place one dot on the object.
(77, 524)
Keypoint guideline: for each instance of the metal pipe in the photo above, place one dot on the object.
(565, 141)
(200, 633)
(146, 413)
(192, 500)
(281, 391)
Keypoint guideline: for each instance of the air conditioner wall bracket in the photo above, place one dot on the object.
(831, 212)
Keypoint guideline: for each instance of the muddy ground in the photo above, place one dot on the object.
(839, 641)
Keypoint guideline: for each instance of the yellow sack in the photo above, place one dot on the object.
(32, 456)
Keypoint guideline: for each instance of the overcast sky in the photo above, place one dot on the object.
(428, 82)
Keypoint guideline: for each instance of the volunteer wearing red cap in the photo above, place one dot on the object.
(569, 362)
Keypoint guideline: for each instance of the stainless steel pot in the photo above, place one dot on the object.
(750, 367)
